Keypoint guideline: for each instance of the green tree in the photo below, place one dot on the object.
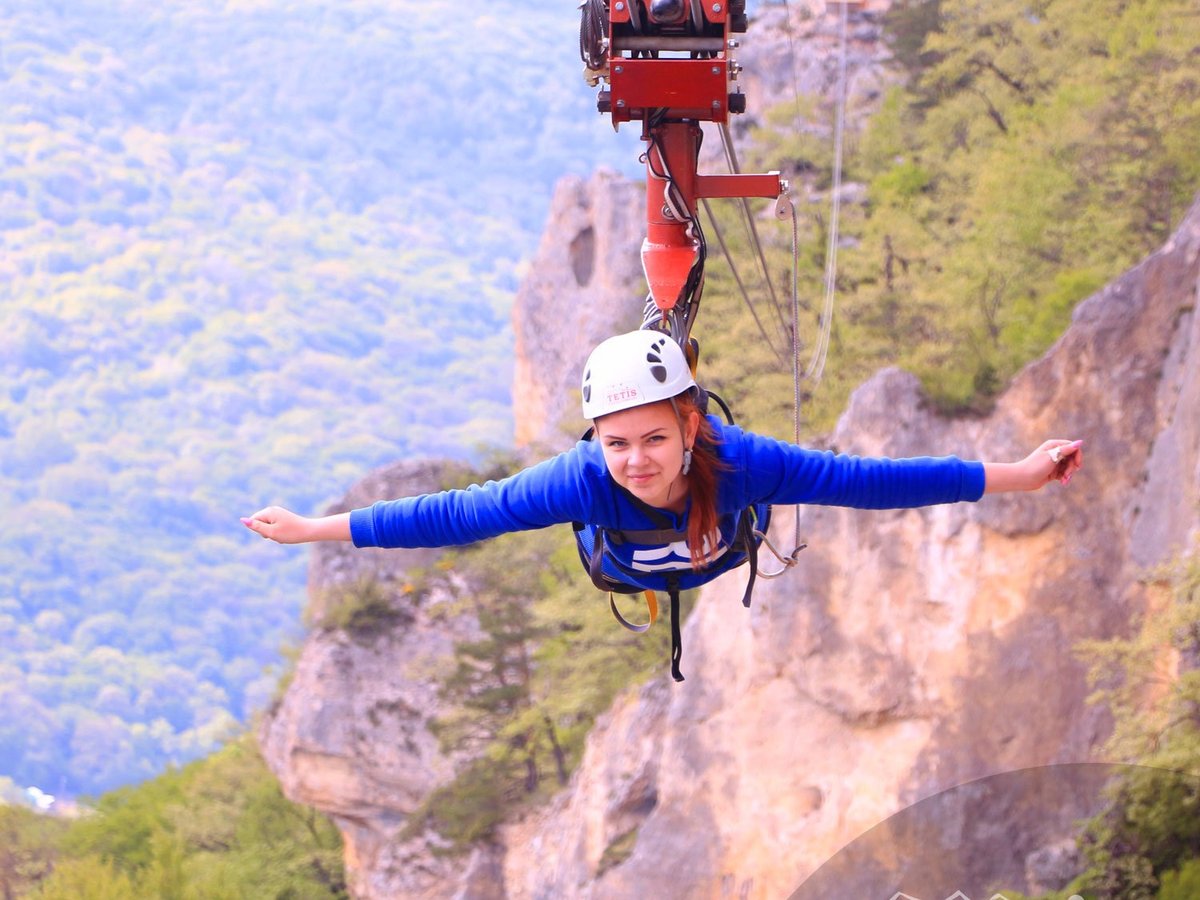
(217, 828)
(28, 848)
(1151, 684)
(86, 878)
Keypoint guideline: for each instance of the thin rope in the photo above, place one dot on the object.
(816, 365)
(787, 8)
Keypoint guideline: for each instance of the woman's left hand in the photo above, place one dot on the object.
(1055, 460)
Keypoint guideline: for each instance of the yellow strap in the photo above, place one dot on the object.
(651, 607)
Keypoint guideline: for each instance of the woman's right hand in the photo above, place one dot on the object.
(286, 527)
(280, 525)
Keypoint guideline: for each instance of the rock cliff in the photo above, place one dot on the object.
(585, 284)
(909, 653)
(350, 734)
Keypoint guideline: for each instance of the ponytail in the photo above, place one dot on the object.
(703, 478)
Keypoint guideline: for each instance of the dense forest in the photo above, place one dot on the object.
(250, 252)
(217, 829)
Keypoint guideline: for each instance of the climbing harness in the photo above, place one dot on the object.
(595, 543)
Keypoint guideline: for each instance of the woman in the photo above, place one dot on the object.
(669, 481)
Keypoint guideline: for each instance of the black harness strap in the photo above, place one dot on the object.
(676, 637)
(650, 538)
(745, 532)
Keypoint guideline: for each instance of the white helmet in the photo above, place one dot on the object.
(631, 370)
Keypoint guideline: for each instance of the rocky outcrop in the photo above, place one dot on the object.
(911, 651)
(350, 735)
(585, 283)
(792, 51)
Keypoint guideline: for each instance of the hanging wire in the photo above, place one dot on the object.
(799, 544)
(816, 365)
(787, 8)
(752, 229)
(738, 278)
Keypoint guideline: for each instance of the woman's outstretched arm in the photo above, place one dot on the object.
(554, 491)
(286, 527)
(1055, 460)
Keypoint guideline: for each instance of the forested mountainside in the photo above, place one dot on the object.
(248, 251)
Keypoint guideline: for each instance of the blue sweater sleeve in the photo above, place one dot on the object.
(557, 490)
(778, 472)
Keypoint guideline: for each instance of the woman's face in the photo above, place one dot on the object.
(643, 450)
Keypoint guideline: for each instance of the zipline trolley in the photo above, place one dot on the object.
(667, 64)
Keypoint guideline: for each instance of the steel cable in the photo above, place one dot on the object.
(752, 229)
(816, 365)
(738, 278)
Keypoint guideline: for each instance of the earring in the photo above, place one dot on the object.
(687, 460)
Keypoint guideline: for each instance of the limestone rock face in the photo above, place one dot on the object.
(911, 651)
(350, 735)
(585, 284)
(794, 50)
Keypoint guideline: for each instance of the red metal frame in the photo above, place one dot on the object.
(692, 88)
(679, 93)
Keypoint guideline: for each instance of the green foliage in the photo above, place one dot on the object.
(1034, 152)
(1151, 684)
(250, 252)
(1183, 884)
(523, 696)
(1145, 844)
(909, 24)
(364, 609)
(618, 850)
(27, 842)
(87, 878)
(218, 828)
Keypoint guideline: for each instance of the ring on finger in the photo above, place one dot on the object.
(1055, 454)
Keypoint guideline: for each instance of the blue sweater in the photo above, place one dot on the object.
(575, 487)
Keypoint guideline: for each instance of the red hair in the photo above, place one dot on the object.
(703, 478)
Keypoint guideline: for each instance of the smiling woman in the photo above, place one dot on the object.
(667, 479)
